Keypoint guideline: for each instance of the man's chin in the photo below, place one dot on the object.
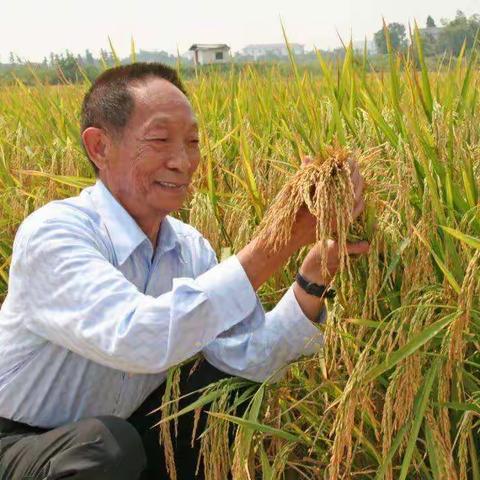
(166, 206)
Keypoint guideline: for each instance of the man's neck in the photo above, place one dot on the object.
(149, 224)
(151, 228)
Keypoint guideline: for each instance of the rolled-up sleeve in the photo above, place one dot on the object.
(264, 343)
(77, 299)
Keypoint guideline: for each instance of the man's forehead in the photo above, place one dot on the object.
(161, 119)
(157, 88)
(161, 101)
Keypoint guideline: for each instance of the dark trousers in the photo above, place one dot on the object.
(108, 447)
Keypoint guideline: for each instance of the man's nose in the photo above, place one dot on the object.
(179, 160)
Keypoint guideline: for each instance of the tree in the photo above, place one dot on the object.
(11, 58)
(430, 43)
(457, 32)
(89, 57)
(106, 56)
(67, 63)
(398, 38)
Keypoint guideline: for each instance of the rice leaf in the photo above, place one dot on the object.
(468, 239)
(448, 275)
(409, 348)
(259, 427)
(421, 402)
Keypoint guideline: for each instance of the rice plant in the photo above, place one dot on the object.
(395, 394)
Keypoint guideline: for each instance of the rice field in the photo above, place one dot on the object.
(395, 394)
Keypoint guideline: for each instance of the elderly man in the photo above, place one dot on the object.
(107, 291)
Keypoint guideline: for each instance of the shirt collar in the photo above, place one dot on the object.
(123, 230)
(168, 238)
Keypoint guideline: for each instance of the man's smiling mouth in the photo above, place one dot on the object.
(171, 185)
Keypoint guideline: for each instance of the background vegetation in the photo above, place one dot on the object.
(395, 393)
(444, 39)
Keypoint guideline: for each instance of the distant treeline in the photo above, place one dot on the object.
(67, 67)
(439, 42)
(448, 38)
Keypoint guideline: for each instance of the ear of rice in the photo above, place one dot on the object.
(325, 188)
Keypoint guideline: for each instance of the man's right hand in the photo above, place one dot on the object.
(311, 270)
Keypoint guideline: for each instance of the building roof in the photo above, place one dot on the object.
(209, 46)
(271, 45)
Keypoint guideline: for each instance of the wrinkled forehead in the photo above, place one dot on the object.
(158, 98)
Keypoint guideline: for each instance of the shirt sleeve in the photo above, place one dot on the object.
(77, 299)
(264, 343)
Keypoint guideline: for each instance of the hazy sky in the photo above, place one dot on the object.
(33, 28)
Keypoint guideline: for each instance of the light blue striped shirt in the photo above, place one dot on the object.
(94, 316)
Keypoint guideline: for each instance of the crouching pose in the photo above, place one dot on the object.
(107, 291)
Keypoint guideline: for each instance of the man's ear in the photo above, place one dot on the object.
(98, 145)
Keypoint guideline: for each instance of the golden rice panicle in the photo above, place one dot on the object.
(324, 187)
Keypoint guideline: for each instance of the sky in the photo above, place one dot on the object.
(34, 28)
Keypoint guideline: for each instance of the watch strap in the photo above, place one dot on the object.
(314, 288)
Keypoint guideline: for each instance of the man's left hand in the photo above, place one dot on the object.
(310, 269)
(311, 265)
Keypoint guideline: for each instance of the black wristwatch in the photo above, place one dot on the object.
(314, 288)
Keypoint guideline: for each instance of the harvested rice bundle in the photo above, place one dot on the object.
(325, 187)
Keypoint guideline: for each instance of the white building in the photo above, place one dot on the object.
(278, 49)
(205, 53)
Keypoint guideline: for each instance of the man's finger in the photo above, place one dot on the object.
(354, 168)
(355, 176)
(357, 179)
(359, 206)
(306, 160)
(358, 185)
(359, 189)
(358, 248)
(353, 163)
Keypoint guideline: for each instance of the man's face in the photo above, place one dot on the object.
(155, 156)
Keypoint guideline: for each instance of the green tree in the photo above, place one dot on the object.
(398, 37)
(458, 31)
(68, 65)
(89, 57)
(430, 22)
(430, 44)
